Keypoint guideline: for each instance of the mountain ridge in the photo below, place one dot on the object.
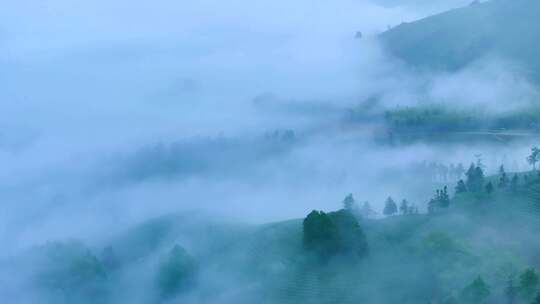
(454, 39)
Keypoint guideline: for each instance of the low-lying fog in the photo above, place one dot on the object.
(116, 112)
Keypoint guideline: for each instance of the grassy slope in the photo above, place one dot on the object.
(416, 257)
(489, 236)
(458, 37)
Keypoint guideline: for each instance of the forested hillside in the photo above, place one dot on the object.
(477, 243)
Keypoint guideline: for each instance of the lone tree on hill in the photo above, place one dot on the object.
(335, 233)
(320, 234)
(475, 179)
(349, 203)
(390, 207)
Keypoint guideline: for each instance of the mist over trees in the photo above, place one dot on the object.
(176, 272)
(390, 207)
(333, 234)
(283, 152)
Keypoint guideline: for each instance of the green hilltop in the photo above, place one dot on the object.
(451, 40)
(478, 245)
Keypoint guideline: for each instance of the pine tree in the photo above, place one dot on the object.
(514, 183)
(475, 179)
(479, 178)
(349, 203)
(440, 201)
(475, 293)
(489, 188)
(460, 187)
(176, 273)
(534, 157)
(503, 178)
(390, 207)
(444, 199)
(404, 207)
(470, 177)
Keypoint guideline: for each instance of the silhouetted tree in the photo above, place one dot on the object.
(475, 293)
(444, 199)
(475, 179)
(479, 177)
(460, 187)
(176, 273)
(479, 163)
(335, 233)
(534, 157)
(404, 207)
(470, 173)
(352, 241)
(320, 234)
(390, 207)
(489, 188)
(503, 178)
(349, 203)
(440, 201)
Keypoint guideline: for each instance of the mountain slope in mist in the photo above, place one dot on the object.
(420, 258)
(499, 29)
